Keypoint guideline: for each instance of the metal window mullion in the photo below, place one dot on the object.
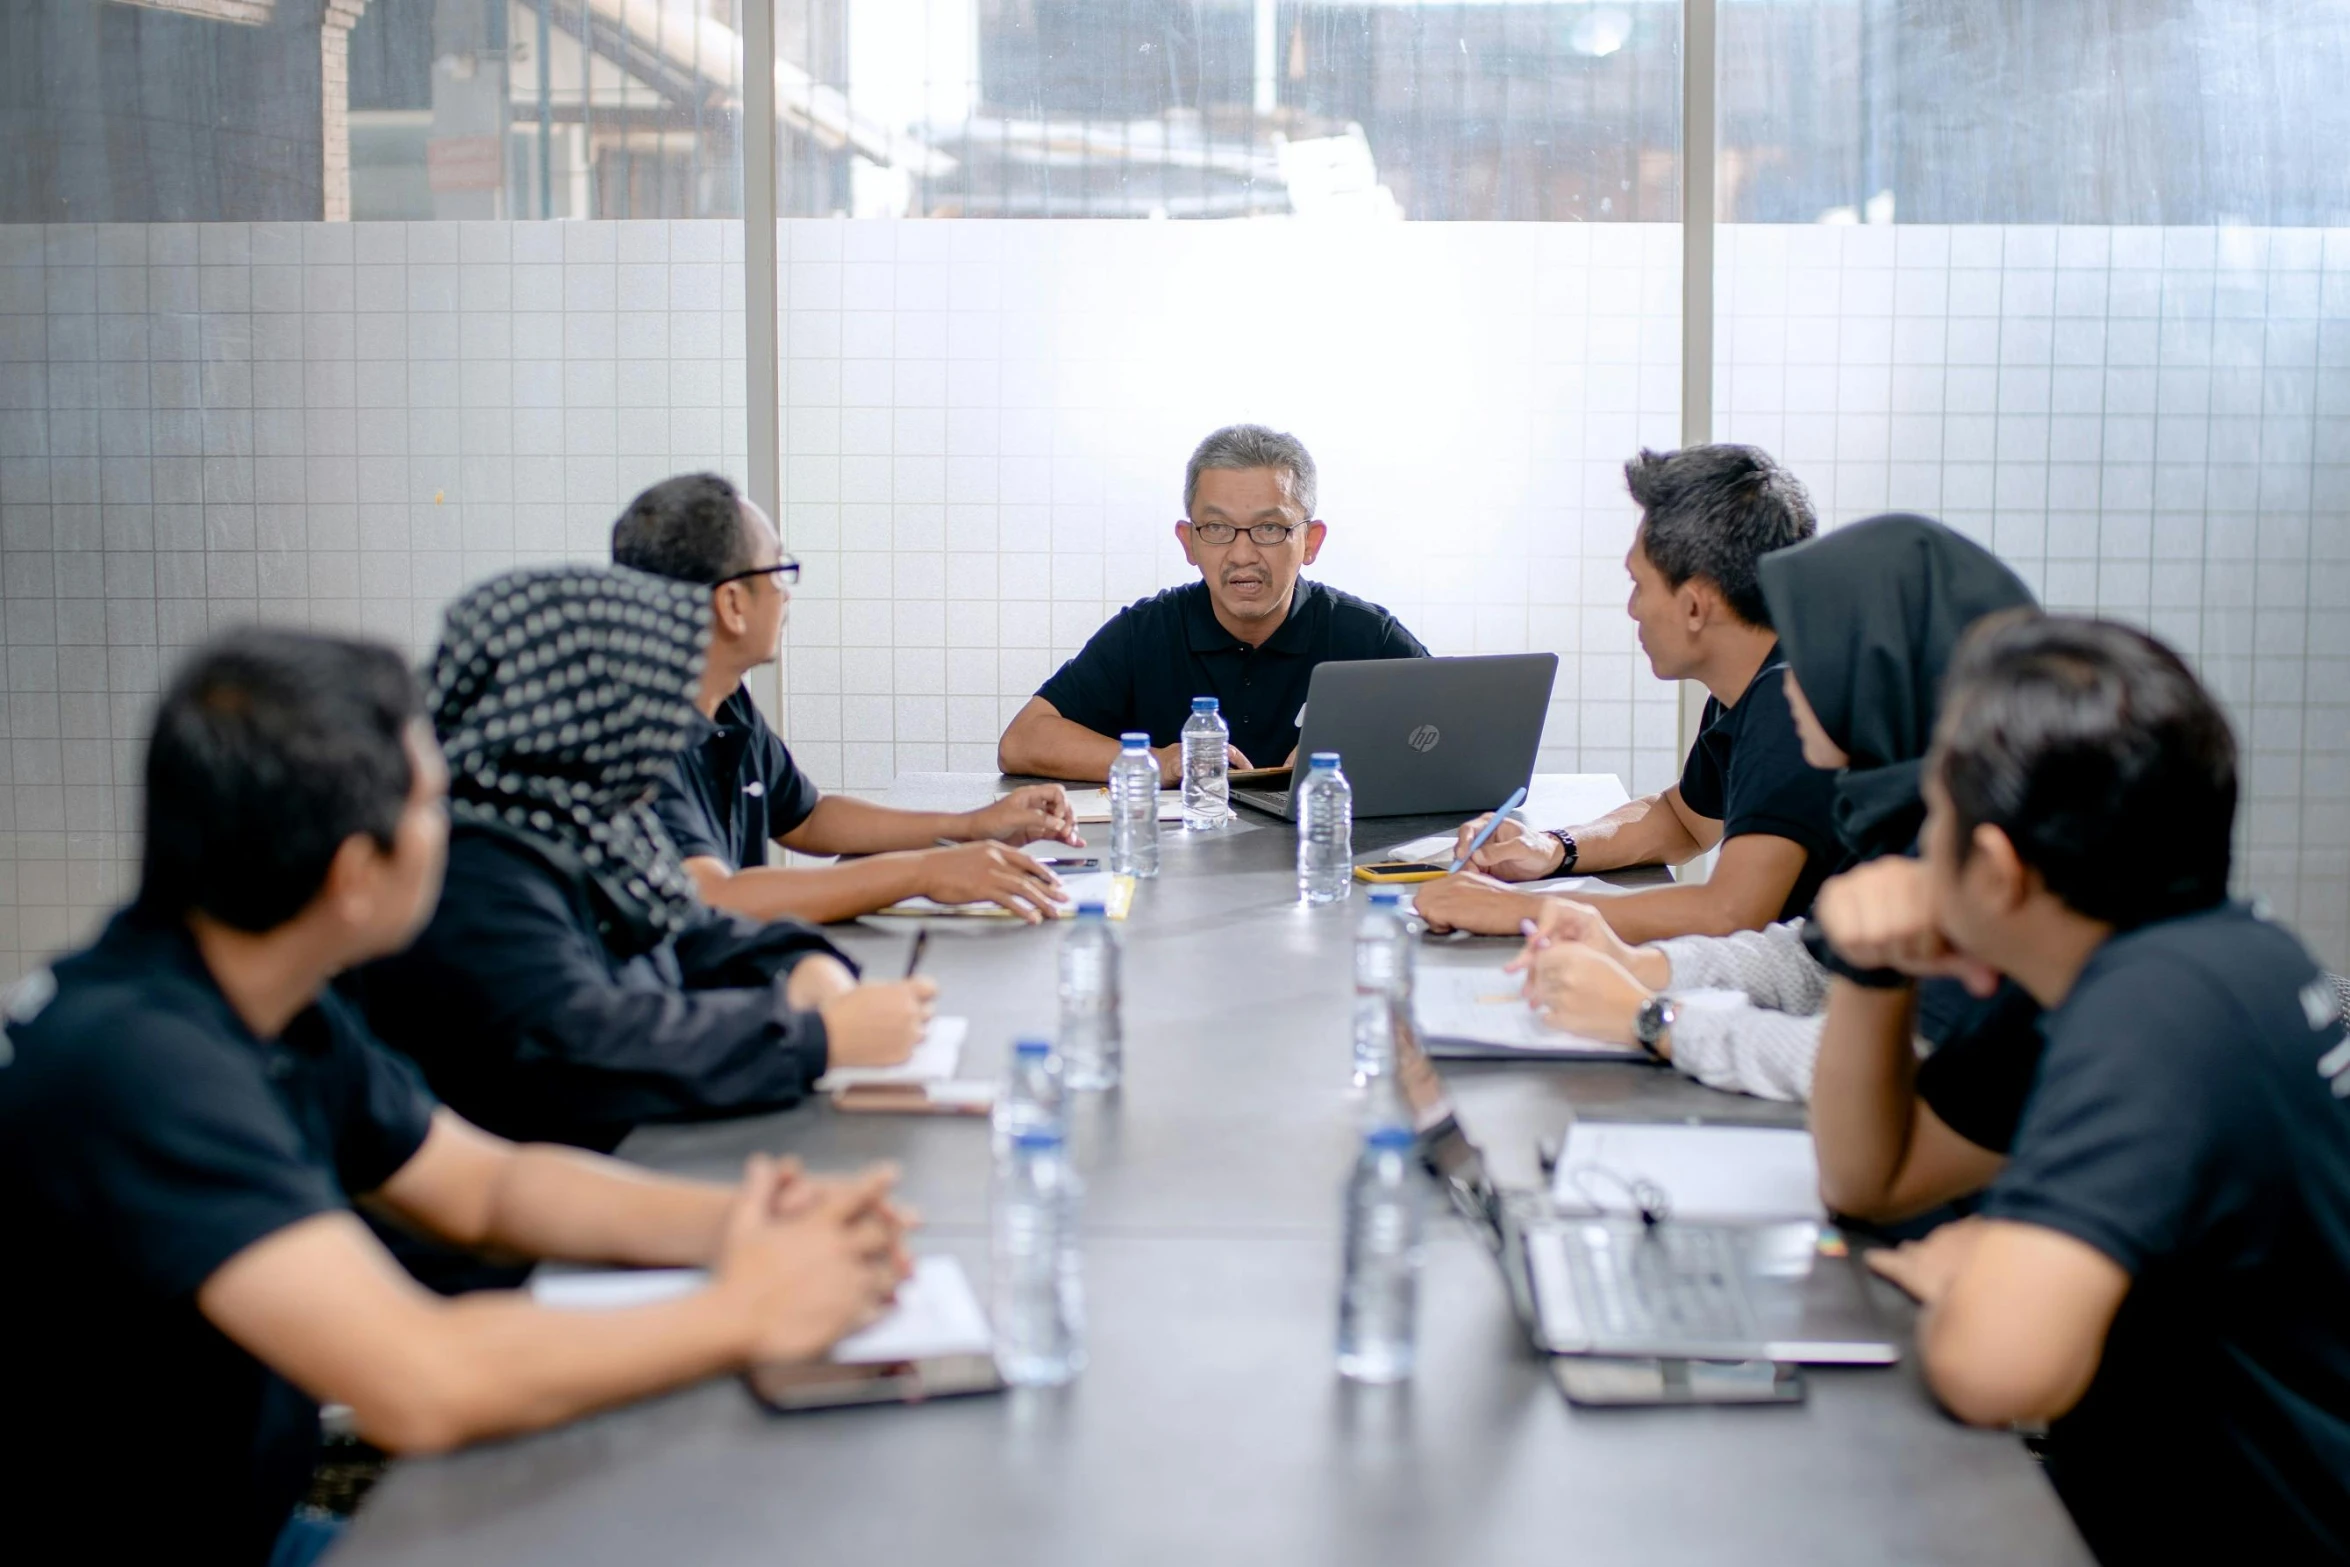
(762, 344)
(1698, 90)
(1700, 86)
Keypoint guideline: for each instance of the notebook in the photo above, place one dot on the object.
(934, 1060)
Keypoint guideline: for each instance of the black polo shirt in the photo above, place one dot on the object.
(2188, 1122)
(1747, 772)
(146, 1137)
(1141, 671)
(734, 789)
(1986, 1054)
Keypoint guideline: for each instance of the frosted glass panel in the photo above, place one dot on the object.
(333, 425)
(2148, 423)
(986, 423)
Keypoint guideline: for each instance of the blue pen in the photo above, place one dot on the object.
(1516, 799)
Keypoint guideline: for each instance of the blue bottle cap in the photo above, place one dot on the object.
(1093, 910)
(1032, 1047)
(1205, 704)
(1135, 742)
(1033, 1139)
(1386, 898)
(1322, 759)
(1390, 1138)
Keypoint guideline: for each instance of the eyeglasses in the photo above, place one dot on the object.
(1267, 534)
(784, 572)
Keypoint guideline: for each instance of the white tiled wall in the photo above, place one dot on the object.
(986, 424)
(984, 432)
(2152, 424)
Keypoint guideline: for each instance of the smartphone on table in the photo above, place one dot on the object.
(1392, 872)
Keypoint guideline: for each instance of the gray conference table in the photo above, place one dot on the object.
(1209, 1426)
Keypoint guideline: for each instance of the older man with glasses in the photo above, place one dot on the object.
(1248, 633)
(737, 788)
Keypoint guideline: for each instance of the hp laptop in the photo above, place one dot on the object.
(1648, 1287)
(1420, 736)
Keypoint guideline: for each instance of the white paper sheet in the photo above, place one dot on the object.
(934, 1059)
(936, 1312)
(1114, 893)
(1435, 849)
(1482, 1006)
(1553, 800)
(1732, 1173)
(1566, 886)
(1050, 853)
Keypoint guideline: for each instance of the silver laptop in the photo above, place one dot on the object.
(1633, 1288)
(1419, 736)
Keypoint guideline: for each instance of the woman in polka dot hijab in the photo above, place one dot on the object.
(561, 696)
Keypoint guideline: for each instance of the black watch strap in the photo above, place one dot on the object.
(1654, 1020)
(1823, 952)
(1571, 851)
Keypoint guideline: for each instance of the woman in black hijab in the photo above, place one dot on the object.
(571, 985)
(1868, 617)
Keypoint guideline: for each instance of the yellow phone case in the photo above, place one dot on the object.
(1389, 878)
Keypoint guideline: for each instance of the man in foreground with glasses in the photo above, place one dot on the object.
(737, 787)
(1248, 633)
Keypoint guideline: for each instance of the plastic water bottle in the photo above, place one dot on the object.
(1093, 1046)
(1207, 776)
(1036, 1277)
(1378, 1305)
(1325, 832)
(1031, 1098)
(1383, 960)
(1134, 809)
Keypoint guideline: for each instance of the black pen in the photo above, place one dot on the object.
(914, 958)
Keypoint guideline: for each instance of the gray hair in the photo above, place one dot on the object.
(1253, 446)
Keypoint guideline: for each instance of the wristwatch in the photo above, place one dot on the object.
(1654, 1020)
(1569, 852)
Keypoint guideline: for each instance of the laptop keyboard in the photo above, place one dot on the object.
(1640, 1285)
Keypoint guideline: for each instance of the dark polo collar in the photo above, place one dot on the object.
(1204, 633)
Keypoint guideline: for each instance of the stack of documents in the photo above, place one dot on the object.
(1479, 1012)
(936, 1312)
(1719, 1174)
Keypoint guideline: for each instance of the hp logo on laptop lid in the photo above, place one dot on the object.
(1424, 738)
